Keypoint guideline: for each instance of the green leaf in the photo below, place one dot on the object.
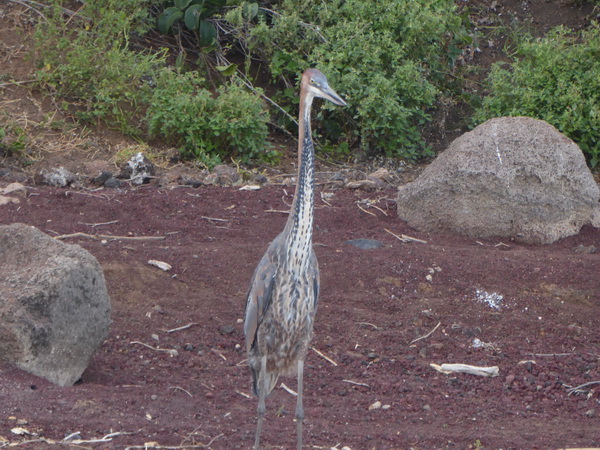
(182, 4)
(167, 18)
(249, 10)
(227, 70)
(192, 16)
(207, 33)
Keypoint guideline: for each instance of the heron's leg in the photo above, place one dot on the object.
(299, 407)
(262, 389)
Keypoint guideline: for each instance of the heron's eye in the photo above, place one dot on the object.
(314, 82)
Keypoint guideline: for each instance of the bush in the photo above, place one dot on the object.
(555, 79)
(232, 124)
(386, 58)
(88, 61)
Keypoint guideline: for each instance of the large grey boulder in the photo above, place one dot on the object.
(511, 177)
(54, 306)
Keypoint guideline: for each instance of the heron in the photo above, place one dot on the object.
(284, 290)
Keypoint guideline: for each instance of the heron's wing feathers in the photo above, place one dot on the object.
(260, 293)
(314, 265)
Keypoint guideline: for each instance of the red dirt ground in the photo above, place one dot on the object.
(544, 337)
(373, 305)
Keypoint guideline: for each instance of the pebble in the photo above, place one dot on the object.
(227, 329)
(375, 405)
(590, 413)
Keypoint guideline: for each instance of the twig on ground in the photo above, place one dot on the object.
(427, 335)
(99, 237)
(243, 394)
(323, 356)
(493, 371)
(355, 383)
(106, 438)
(173, 330)
(549, 354)
(214, 219)
(405, 238)
(171, 352)
(369, 324)
(181, 389)
(364, 210)
(220, 354)
(276, 211)
(290, 391)
(576, 389)
(171, 447)
(101, 224)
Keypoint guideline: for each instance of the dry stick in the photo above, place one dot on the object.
(356, 383)
(377, 207)
(101, 224)
(427, 335)
(181, 389)
(106, 438)
(214, 219)
(289, 390)
(182, 328)
(324, 357)
(171, 352)
(370, 324)
(243, 394)
(98, 237)
(405, 238)
(171, 447)
(577, 388)
(548, 354)
(364, 210)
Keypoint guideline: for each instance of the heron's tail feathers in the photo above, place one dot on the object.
(271, 381)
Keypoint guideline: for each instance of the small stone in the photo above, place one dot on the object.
(365, 244)
(372, 355)
(509, 379)
(112, 182)
(375, 405)
(57, 176)
(6, 200)
(102, 178)
(153, 397)
(426, 408)
(590, 413)
(15, 189)
(227, 329)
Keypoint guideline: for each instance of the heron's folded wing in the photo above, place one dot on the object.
(259, 296)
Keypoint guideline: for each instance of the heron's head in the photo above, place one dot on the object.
(314, 83)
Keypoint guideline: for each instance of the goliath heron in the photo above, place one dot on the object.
(282, 299)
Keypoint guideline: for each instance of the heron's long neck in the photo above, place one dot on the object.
(300, 221)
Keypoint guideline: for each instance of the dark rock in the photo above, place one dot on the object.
(101, 179)
(365, 244)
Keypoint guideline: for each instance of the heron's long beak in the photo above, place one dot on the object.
(329, 94)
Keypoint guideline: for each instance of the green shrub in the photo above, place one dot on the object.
(386, 58)
(231, 124)
(556, 79)
(88, 61)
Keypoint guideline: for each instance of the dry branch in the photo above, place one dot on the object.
(404, 238)
(425, 336)
(493, 371)
(99, 237)
(173, 330)
(323, 356)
